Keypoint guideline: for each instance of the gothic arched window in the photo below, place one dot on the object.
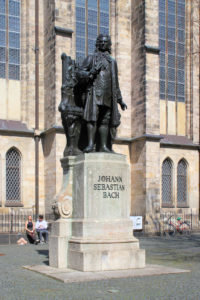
(182, 183)
(13, 176)
(167, 182)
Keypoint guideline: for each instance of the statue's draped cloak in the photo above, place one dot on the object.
(90, 106)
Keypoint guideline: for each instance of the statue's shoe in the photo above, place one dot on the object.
(72, 151)
(77, 151)
(88, 149)
(105, 149)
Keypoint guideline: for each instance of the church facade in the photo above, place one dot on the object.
(156, 45)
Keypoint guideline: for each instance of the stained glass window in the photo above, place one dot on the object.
(10, 29)
(92, 18)
(13, 176)
(182, 183)
(167, 182)
(2, 39)
(92, 24)
(172, 49)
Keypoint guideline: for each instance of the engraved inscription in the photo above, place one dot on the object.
(110, 185)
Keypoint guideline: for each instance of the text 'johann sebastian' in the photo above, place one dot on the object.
(110, 185)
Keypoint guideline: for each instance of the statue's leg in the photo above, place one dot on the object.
(91, 130)
(103, 132)
(72, 125)
(113, 133)
(104, 129)
(77, 131)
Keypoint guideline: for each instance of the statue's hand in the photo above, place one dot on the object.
(95, 70)
(123, 105)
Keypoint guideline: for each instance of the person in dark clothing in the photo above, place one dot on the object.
(30, 230)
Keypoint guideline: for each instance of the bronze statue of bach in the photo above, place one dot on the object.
(96, 91)
(102, 95)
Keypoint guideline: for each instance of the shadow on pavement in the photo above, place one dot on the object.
(46, 254)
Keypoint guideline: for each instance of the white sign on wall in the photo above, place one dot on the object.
(137, 222)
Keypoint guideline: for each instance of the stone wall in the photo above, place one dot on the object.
(122, 54)
(152, 68)
(138, 191)
(138, 68)
(145, 154)
(64, 12)
(25, 146)
(49, 152)
(49, 64)
(56, 14)
(138, 149)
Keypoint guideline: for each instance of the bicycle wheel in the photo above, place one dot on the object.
(171, 230)
(185, 227)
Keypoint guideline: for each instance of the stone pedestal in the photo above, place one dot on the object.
(102, 237)
(101, 230)
(58, 243)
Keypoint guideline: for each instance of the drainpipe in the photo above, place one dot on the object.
(37, 137)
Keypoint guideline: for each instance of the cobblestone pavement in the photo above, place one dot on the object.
(181, 252)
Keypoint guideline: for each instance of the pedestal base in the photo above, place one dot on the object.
(101, 230)
(58, 243)
(105, 255)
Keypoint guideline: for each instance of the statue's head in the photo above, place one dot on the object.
(103, 43)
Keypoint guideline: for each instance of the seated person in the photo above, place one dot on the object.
(21, 241)
(41, 229)
(30, 230)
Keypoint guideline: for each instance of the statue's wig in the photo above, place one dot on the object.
(100, 36)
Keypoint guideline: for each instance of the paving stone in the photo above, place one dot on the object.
(67, 275)
(182, 253)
